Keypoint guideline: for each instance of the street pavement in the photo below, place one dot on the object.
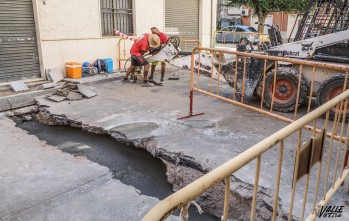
(40, 182)
(147, 118)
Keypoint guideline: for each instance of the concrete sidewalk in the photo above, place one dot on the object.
(146, 117)
(39, 182)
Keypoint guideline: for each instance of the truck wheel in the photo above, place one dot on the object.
(286, 89)
(329, 89)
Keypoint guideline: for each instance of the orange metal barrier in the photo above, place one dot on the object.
(231, 38)
(310, 156)
(186, 45)
(319, 150)
(269, 85)
(121, 56)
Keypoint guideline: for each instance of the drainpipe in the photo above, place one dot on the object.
(213, 19)
(282, 23)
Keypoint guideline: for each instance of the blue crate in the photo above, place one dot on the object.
(109, 62)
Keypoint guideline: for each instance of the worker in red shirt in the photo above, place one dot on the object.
(163, 40)
(138, 49)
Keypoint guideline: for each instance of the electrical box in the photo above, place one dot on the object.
(244, 12)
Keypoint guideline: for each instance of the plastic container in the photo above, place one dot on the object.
(73, 69)
(109, 62)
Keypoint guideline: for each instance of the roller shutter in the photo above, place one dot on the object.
(18, 45)
(182, 15)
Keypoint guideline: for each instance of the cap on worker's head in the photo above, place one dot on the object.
(154, 41)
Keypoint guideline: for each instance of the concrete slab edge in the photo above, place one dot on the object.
(98, 80)
(26, 99)
(22, 100)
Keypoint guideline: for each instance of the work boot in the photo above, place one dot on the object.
(162, 79)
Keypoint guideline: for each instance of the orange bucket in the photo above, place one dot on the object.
(73, 69)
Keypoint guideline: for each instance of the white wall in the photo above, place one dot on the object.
(69, 19)
(149, 13)
(207, 21)
(57, 53)
(70, 30)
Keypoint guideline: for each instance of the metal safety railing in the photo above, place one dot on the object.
(121, 52)
(258, 74)
(232, 38)
(314, 150)
(308, 155)
(187, 44)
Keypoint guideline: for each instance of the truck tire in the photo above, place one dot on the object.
(329, 89)
(286, 89)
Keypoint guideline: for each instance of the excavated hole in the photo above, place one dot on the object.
(131, 165)
(148, 173)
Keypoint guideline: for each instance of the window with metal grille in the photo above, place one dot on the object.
(117, 14)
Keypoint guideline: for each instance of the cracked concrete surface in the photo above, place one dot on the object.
(39, 182)
(146, 117)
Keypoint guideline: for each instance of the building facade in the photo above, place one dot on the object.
(36, 35)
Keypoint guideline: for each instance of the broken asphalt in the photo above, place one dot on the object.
(147, 118)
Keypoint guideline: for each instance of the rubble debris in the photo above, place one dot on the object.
(27, 118)
(18, 86)
(174, 76)
(56, 98)
(72, 92)
(49, 85)
(54, 75)
(9, 114)
(74, 96)
(87, 92)
(24, 113)
(66, 88)
(25, 110)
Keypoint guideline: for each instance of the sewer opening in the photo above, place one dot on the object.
(132, 166)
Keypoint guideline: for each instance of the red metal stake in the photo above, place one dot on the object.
(190, 108)
(191, 96)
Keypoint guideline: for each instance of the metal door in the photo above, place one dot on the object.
(18, 44)
(183, 16)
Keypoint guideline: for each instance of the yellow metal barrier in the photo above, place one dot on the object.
(231, 38)
(270, 93)
(186, 45)
(193, 190)
(309, 155)
(121, 56)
